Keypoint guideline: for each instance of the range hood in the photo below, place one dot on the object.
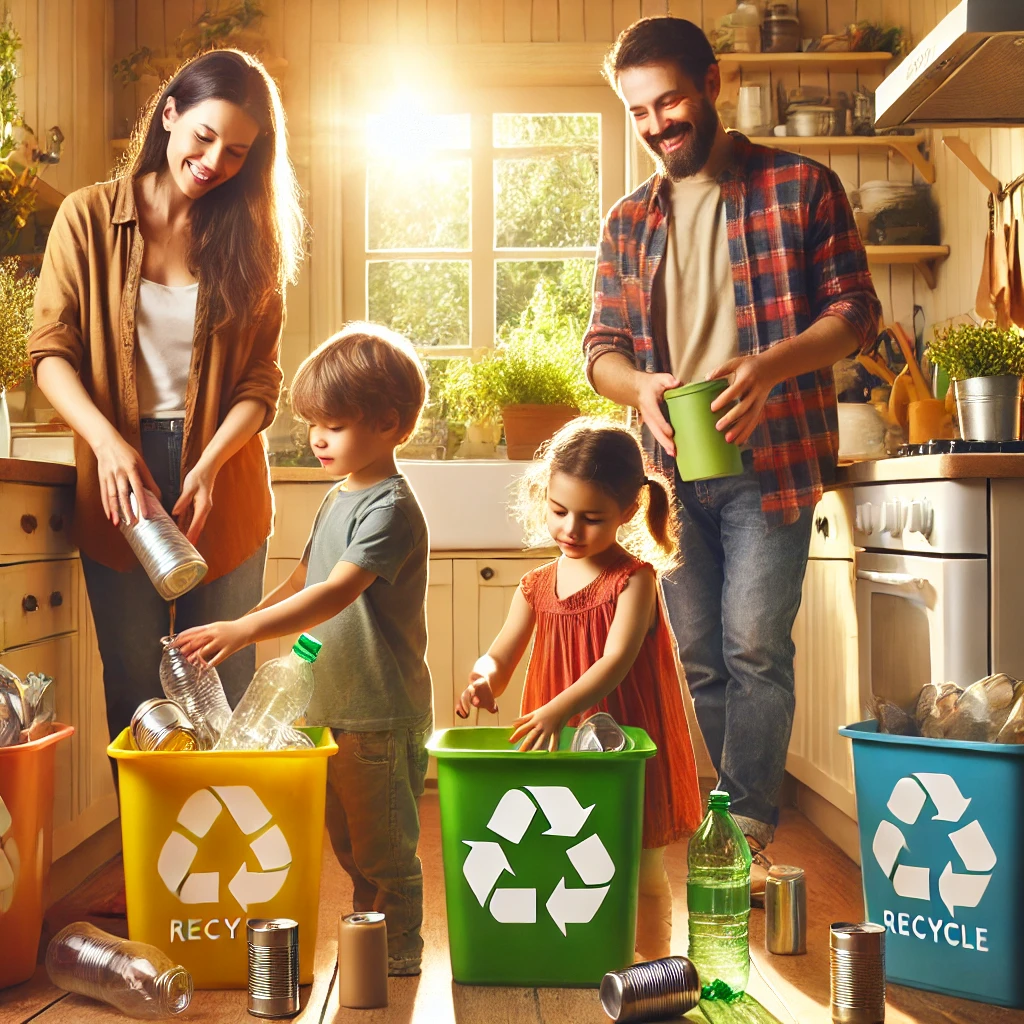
(969, 70)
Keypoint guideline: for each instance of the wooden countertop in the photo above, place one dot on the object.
(28, 471)
(932, 467)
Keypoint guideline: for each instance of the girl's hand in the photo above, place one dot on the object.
(122, 472)
(213, 643)
(477, 695)
(197, 491)
(540, 729)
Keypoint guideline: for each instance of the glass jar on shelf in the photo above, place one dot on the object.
(780, 31)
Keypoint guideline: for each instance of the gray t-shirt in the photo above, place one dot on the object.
(371, 674)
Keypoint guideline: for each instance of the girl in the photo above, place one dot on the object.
(603, 642)
(157, 321)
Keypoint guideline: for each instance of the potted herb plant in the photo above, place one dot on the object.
(986, 364)
(16, 295)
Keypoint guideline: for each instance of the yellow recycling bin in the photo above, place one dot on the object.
(213, 838)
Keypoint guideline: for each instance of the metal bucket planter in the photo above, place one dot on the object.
(989, 408)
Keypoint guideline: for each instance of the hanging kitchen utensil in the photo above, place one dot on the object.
(900, 397)
(992, 301)
(921, 385)
(877, 368)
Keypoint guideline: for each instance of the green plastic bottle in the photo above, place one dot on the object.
(718, 897)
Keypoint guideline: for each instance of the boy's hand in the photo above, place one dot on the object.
(213, 643)
(477, 695)
(540, 729)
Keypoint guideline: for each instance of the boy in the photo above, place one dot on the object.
(362, 583)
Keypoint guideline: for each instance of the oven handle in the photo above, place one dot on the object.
(892, 579)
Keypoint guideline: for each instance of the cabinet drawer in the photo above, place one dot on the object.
(37, 600)
(35, 520)
(504, 572)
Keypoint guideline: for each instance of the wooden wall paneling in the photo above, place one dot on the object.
(177, 18)
(492, 21)
(467, 21)
(846, 164)
(518, 21)
(325, 21)
(442, 21)
(354, 21)
(624, 13)
(124, 43)
(712, 10)
(969, 204)
(571, 28)
(691, 10)
(89, 90)
(412, 22)
(383, 21)
(544, 24)
(653, 8)
(870, 10)
(597, 21)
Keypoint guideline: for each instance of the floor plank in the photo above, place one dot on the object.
(794, 989)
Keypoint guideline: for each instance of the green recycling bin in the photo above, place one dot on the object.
(541, 856)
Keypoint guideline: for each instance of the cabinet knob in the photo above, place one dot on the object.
(56, 599)
(56, 522)
(29, 603)
(29, 523)
(487, 573)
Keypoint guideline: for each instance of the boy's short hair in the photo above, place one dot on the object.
(364, 370)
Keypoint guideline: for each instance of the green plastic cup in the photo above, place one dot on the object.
(702, 452)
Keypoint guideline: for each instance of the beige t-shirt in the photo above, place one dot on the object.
(692, 301)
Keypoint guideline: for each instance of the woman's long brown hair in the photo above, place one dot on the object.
(248, 233)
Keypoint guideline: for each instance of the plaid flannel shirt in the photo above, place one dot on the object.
(796, 257)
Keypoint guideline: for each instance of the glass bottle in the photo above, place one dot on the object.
(134, 977)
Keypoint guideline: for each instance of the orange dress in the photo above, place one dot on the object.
(571, 635)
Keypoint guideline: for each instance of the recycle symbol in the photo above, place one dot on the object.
(486, 861)
(956, 889)
(196, 817)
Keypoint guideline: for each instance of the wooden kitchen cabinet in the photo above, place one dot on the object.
(46, 626)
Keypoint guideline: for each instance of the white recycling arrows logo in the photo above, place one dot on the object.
(487, 862)
(956, 889)
(197, 816)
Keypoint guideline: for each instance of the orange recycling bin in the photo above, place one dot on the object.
(26, 847)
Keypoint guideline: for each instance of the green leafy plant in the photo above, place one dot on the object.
(873, 37)
(16, 294)
(967, 350)
(10, 114)
(131, 68)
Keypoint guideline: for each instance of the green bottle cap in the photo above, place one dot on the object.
(307, 647)
(718, 800)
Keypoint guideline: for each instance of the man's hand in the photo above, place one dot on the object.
(215, 642)
(752, 382)
(650, 388)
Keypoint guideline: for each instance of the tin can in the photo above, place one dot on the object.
(857, 967)
(273, 966)
(173, 565)
(160, 724)
(655, 990)
(363, 961)
(785, 905)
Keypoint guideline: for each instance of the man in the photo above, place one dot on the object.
(742, 262)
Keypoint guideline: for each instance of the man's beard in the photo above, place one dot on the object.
(693, 154)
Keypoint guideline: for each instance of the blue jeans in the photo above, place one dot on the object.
(374, 783)
(732, 603)
(131, 616)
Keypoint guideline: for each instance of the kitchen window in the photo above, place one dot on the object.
(457, 217)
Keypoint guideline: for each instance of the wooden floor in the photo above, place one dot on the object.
(795, 989)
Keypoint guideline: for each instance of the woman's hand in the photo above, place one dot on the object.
(214, 642)
(540, 729)
(122, 472)
(479, 693)
(197, 492)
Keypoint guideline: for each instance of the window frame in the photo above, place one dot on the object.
(483, 256)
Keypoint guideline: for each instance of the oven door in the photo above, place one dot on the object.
(921, 619)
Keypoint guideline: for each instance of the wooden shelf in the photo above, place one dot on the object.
(907, 146)
(924, 257)
(732, 63)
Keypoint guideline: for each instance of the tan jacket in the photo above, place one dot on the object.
(85, 313)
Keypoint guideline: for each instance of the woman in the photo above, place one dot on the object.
(157, 322)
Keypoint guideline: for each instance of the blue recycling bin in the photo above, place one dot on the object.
(942, 843)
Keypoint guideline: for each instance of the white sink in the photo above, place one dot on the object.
(466, 501)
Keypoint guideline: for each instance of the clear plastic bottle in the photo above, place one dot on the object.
(134, 977)
(199, 692)
(718, 897)
(278, 694)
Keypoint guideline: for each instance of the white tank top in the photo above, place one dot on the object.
(165, 323)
